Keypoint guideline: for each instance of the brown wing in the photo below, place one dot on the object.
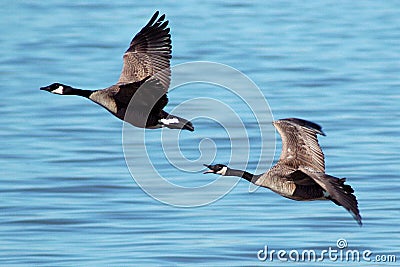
(339, 192)
(149, 53)
(300, 144)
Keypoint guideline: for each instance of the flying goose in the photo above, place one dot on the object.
(300, 172)
(146, 66)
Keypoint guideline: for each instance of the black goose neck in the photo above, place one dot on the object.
(245, 175)
(80, 92)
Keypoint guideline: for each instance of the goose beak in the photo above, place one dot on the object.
(208, 171)
(46, 88)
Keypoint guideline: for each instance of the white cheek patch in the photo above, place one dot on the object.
(169, 121)
(222, 171)
(59, 90)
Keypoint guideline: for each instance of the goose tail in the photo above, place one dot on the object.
(175, 122)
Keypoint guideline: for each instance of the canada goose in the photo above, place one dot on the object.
(147, 63)
(300, 172)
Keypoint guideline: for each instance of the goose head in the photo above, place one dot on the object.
(216, 169)
(58, 88)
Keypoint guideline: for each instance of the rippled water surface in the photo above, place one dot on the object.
(67, 194)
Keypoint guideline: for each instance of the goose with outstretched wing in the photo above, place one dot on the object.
(143, 83)
(299, 173)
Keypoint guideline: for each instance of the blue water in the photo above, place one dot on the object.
(67, 195)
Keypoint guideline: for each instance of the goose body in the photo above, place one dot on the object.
(299, 173)
(144, 79)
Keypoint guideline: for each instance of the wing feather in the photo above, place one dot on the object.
(300, 144)
(149, 54)
(341, 194)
